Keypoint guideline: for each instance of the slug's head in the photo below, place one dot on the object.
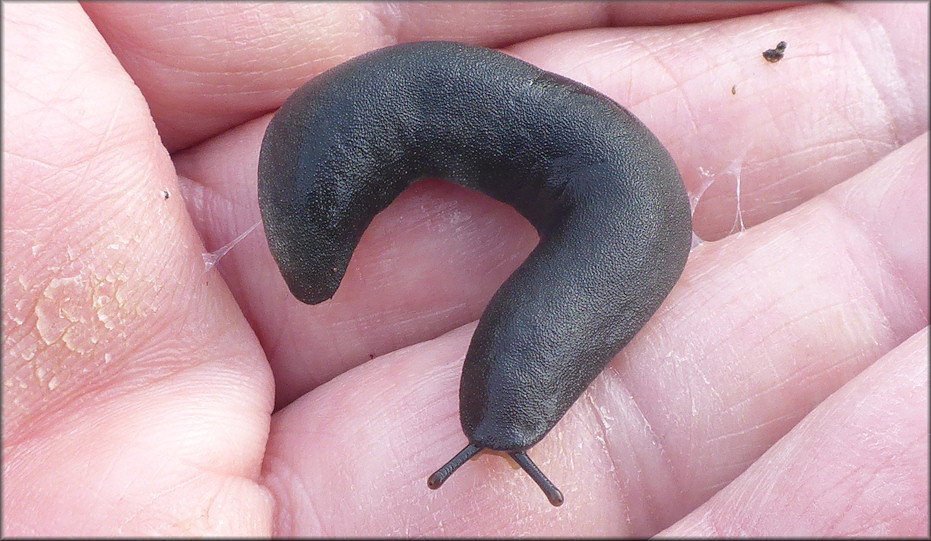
(552, 493)
(500, 412)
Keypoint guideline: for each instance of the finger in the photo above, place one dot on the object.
(754, 139)
(136, 399)
(204, 69)
(772, 321)
(430, 262)
(761, 328)
(855, 466)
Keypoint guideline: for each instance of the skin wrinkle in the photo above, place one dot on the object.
(387, 18)
(751, 398)
(587, 71)
(294, 481)
(870, 522)
(826, 447)
(731, 469)
(674, 470)
(599, 421)
(824, 163)
(887, 261)
(693, 126)
(212, 63)
(718, 530)
(285, 509)
(714, 349)
(716, 396)
(869, 76)
(881, 509)
(793, 414)
(798, 320)
(857, 473)
(8, 154)
(668, 48)
(716, 61)
(832, 151)
(839, 366)
(211, 504)
(100, 391)
(220, 204)
(876, 31)
(786, 157)
(659, 90)
(689, 446)
(202, 521)
(791, 115)
(105, 138)
(71, 190)
(883, 260)
(226, 91)
(46, 110)
(229, 237)
(153, 500)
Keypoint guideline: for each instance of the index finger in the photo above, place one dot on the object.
(204, 68)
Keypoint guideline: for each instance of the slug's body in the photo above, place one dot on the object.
(605, 196)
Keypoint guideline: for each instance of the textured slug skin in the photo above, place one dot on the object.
(605, 196)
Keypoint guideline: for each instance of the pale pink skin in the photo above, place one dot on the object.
(782, 389)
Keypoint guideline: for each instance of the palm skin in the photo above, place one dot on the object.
(781, 389)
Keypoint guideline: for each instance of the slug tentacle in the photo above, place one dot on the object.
(552, 493)
(439, 477)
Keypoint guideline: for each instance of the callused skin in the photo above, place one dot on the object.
(605, 196)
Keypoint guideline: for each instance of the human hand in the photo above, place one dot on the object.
(781, 389)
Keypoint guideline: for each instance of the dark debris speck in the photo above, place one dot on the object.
(775, 55)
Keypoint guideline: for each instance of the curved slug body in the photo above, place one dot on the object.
(605, 196)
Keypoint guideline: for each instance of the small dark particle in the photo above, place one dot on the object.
(371, 356)
(775, 55)
(165, 194)
(734, 90)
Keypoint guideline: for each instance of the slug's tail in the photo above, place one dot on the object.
(439, 477)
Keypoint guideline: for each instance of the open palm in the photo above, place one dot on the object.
(781, 389)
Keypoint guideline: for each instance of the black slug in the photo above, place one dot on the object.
(604, 195)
